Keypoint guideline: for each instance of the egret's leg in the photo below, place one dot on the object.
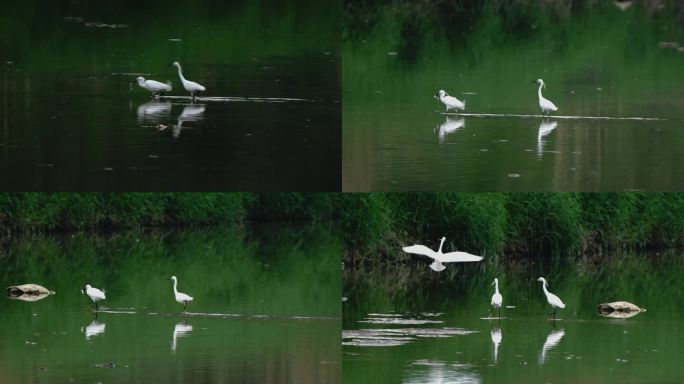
(499, 313)
(96, 307)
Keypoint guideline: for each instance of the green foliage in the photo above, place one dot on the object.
(293, 206)
(366, 220)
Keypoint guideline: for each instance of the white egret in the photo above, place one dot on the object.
(439, 257)
(495, 333)
(553, 300)
(545, 104)
(190, 86)
(497, 299)
(552, 340)
(449, 101)
(181, 298)
(94, 294)
(153, 86)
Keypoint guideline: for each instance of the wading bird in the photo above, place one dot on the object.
(94, 294)
(153, 86)
(553, 300)
(497, 299)
(439, 257)
(181, 298)
(190, 86)
(545, 104)
(449, 101)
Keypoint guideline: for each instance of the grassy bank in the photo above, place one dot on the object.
(40, 212)
(516, 226)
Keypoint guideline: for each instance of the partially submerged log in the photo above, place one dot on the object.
(28, 292)
(619, 309)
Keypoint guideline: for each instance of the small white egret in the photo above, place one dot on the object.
(181, 298)
(439, 257)
(553, 300)
(190, 86)
(545, 104)
(94, 294)
(449, 101)
(497, 299)
(153, 86)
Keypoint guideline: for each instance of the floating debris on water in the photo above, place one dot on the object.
(394, 320)
(513, 175)
(176, 40)
(92, 24)
(668, 44)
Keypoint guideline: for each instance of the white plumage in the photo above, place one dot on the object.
(190, 86)
(180, 297)
(439, 257)
(552, 299)
(545, 104)
(497, 299)
(449, 101)
(94, 294)
(153, 86)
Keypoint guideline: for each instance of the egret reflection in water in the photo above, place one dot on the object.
(551, 342)
(450, 125)
(191, 112)
(496, 340)
(154, 112)
(439, 372)
(93, 329)
(545, 128)
(182, 329)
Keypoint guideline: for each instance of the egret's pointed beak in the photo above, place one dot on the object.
(492, 283)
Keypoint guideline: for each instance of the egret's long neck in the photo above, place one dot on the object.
(544, 287)
(496, 286)
(175, 283)
(180, 73)
(440, 245)
(539, 92)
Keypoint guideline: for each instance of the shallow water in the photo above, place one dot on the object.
(71, 121)
(441, 329)
(618, 127)
(254, 318)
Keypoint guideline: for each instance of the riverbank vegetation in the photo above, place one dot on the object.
(526, 227)
(41, 212)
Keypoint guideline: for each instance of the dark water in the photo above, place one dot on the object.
(70, 121)
(255, 317)
(603, 65)
(418, 327)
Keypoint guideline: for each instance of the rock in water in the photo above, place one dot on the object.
(619, 306)
(28, 292)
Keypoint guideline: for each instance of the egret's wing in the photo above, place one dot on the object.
(420, 250)
(458, 257)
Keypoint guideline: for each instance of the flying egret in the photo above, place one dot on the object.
(497, 299)
(190, 86)
(545, 104)
(94, 294)
(449, 101)
(181, 298)
(553, 300)
(439, 257)
(153, 86)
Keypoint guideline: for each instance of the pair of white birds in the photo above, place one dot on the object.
(157, 87)
(453, 103)
(99, 295)
(552, 299)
